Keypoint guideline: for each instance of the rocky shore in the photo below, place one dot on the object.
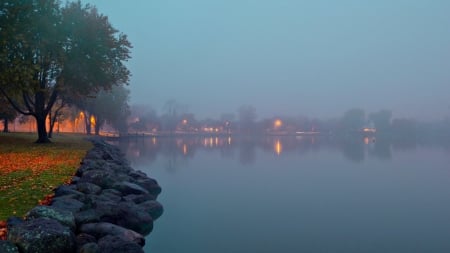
(108, 207)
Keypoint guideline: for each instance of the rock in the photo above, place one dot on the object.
(107, 196)
(154, 208)
(134, 217)
(102, 229)
(84, 238)
(91, 247)
(75, 180)
(112, 243)
(103, 178)
(8, 247)
(66, 218)
(42, 235)
(137, 174)
(127, 188)
(151, 185)
(139, 198)
(88, 188)
(111, 192)
(64, 190)
(13, 221)
(87, 216)
(68, 204)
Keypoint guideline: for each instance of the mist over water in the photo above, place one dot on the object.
(287, 194)
(312, 58)
(291, 126)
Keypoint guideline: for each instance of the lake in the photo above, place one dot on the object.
(297, 194)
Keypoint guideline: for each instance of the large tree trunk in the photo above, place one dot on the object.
(5, 125)
(41, 116)
(50, 128)
(87, 121)
(97, 128)
(98, 124)
(42, 131)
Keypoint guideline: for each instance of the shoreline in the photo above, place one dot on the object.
(108, 206)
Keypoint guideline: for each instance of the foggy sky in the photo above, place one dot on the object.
(288, 57)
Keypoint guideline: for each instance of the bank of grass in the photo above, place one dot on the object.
(29, 171)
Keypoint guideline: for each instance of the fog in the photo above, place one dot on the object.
(290, 57)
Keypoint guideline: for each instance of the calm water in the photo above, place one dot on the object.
(297, 194)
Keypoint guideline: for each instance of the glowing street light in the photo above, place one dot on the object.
(277, 123)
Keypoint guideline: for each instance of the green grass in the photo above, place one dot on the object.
(29, 171)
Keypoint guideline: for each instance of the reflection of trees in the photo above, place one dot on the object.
(247, 150)
(381, 149)
(352, 148)
(177, 151)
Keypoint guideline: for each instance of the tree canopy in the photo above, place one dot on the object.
(48, 52)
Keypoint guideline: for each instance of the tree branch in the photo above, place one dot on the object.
(14, 104)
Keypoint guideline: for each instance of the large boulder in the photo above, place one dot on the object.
(102, 229)
(8, 247)
(154, 208)
(66, 218)
(88, 188)
(112, 243)
(42, 235)
(68, 204)
(129, 188)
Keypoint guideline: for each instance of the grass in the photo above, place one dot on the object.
(29, 171)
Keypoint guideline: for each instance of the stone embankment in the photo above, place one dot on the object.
(108, 207)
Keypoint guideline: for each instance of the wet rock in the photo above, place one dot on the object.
(154, 208)
(103, 178)
(13, 221)
(139, 198)
(107, 196)
(88, 188)
(151, 185)
(8, 247)
(112, 243)
(66, 218)
(127, 188)
(42, 235)
(91, 247)
(111, 192)
(65, 190)
(134, 217)
(102, 229)
(84, 238)
(87, 216)
(68, 204)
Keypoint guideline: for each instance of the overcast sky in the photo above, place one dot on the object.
(288, 57)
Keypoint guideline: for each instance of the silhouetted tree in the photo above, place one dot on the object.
(247, 119)
(7, 113)
(171, 116)
(353, 120)
(381, 120)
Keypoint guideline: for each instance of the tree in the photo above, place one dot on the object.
(171, 116)
(381, 120)
(353, 120)
(247, 117)
(48, 52)
(143, 118)
(112, 107)
(7, 113)
(32, 57)
(54, 114)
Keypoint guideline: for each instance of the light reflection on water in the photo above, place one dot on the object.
(304, 194)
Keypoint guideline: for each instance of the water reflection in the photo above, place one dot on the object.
(180, 150)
